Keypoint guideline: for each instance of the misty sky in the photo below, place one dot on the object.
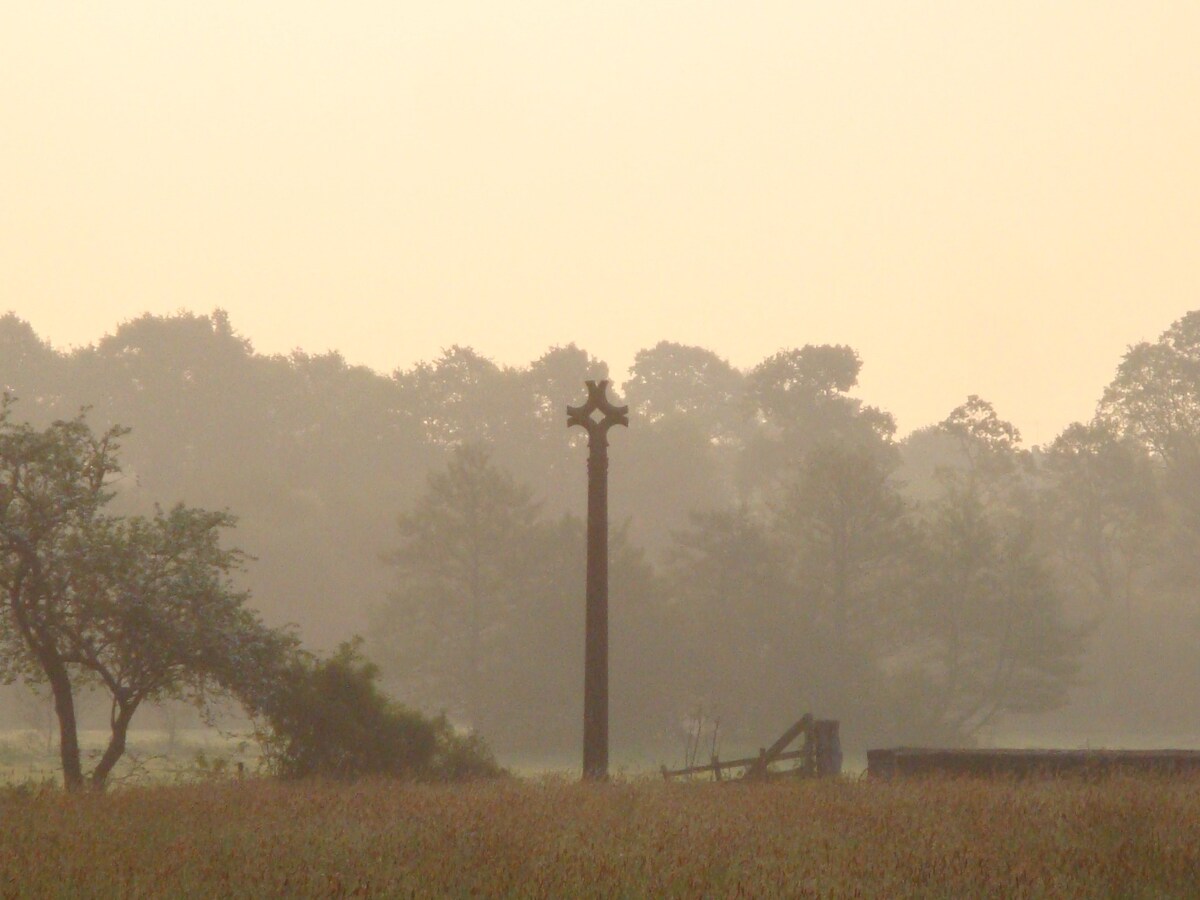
(990, 198)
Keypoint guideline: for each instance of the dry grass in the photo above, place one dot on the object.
(1124, 837)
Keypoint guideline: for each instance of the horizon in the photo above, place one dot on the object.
(619, 372)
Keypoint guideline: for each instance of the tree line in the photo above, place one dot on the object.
(777, 547)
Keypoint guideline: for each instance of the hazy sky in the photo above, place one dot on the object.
(979, 197)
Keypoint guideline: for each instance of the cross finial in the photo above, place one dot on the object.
(597, 401)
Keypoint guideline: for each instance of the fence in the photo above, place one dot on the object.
(820, 755)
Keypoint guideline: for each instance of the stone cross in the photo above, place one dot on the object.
(597, 415)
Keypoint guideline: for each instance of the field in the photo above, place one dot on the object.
(554, 838)
(152, 757)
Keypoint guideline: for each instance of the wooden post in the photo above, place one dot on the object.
(760, 767)
(828, 747)
(808, 762)
(595, 655)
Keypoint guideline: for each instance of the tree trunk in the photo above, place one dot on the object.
(116, 745)
(475, 643)
(68, 733)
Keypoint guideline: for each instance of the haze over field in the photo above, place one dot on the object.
(834, 255)
(902, 299)
(777, 547)
(993, 199)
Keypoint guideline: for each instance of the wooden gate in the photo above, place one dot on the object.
(820, 754)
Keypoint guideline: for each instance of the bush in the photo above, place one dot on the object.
(327, 717)
(461, 757)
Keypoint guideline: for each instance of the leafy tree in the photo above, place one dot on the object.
(972, 447)
(672, 381)
(1132, 486)
(847, 535)
(335, 454)
(545, 452)
(845, 528)
(184, 382)
(461, 567)
(29, 366)
(804, 392)
(53, 485)
(142, 607)
(557, 376)
(462, 397)
(663, 471)
(744, 635)
(1154, 402)
(1104, 510)
(156, 616)
(1107, 524)
(989, 633)
(644, 653)
(990, 447)
(537, 694)
(799, 399)
(688, 425)
(314, 453)
(1155, 396)
(486, 620)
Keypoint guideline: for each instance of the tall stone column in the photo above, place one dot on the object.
(597, 415)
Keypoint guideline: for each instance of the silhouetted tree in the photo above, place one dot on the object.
(1103, 509)
(545, 453)
(461, 567)
(462, 397)
(540, 693)
(845, 528)
(846, 533)
(185, 383)
(681, 449)
(1155, 396)
(745, 635)
(674, 381)
(990, 632)
(30, 368)
(1154, 400)
(799, 399)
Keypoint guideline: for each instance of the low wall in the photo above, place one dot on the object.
(930, 761)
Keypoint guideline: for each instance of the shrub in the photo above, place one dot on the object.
(328, 717)
(461, 757)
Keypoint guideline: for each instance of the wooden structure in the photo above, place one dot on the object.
(924, 761)
(820, 754)
(597, 415)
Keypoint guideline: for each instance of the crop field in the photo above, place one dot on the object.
(554, 838)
